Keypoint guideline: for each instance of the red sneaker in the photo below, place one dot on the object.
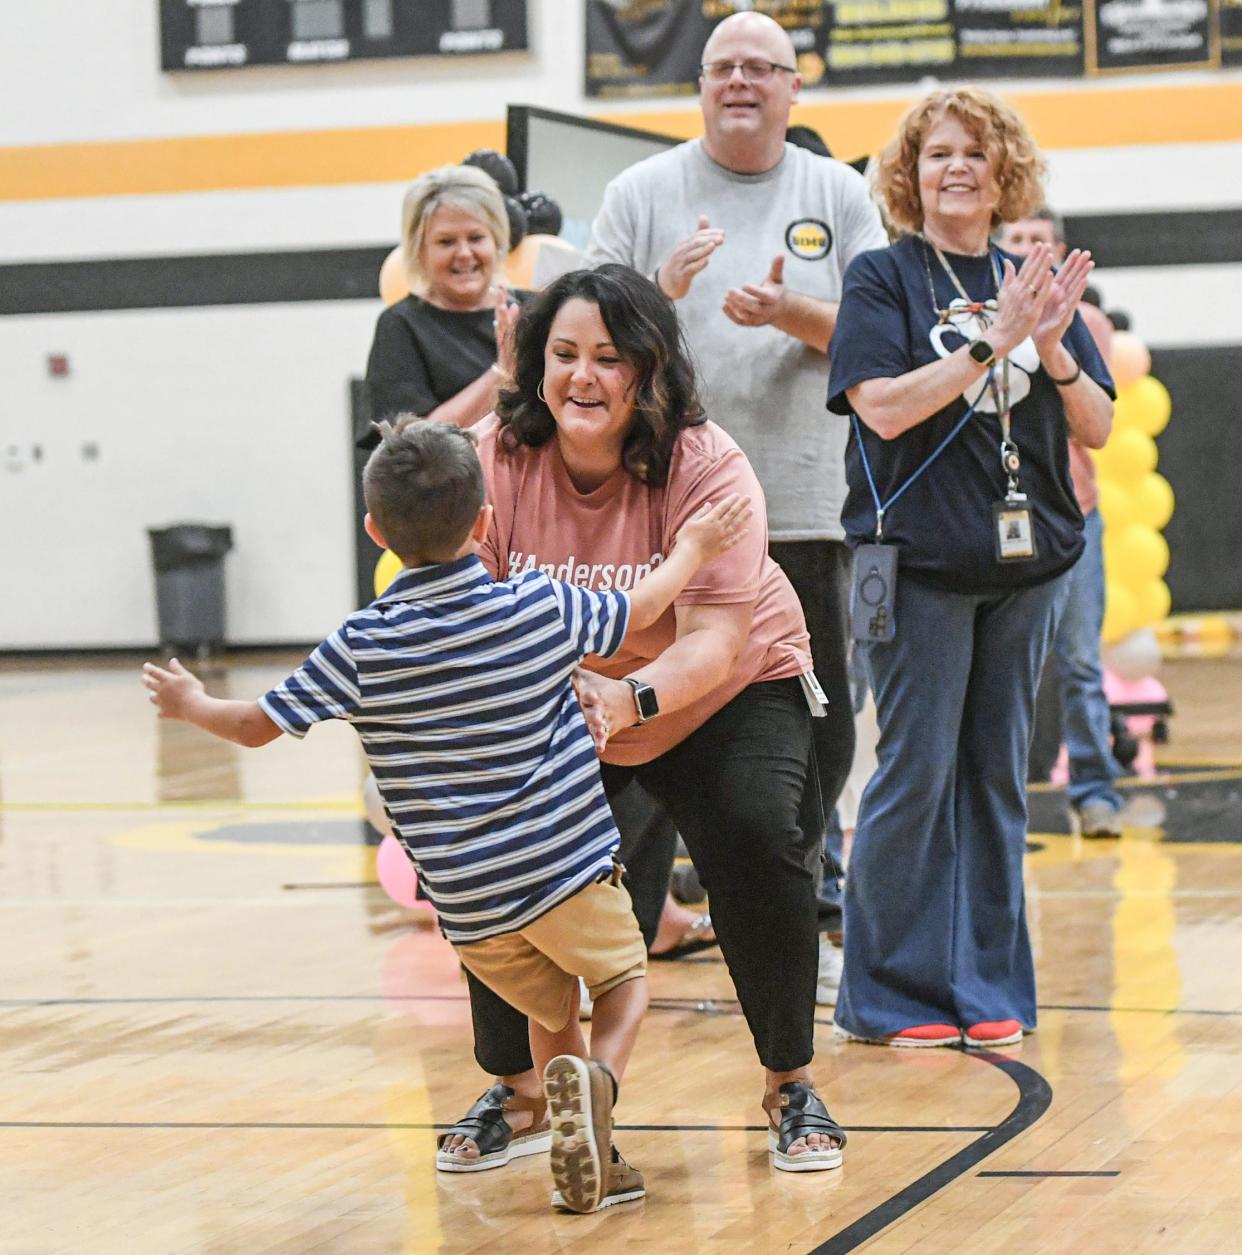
(919, 1036)
(992, 1033)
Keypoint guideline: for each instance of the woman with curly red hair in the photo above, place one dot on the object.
(963, 369)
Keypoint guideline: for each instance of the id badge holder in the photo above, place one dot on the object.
(1013, 528)
(874, 594)
(816, 698)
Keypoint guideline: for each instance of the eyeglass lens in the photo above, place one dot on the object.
(752, 71)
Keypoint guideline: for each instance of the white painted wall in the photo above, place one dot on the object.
(240, 414)
(112, 61)
(234, 415)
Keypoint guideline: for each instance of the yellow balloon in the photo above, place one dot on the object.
(1128, 456)
(1150, 501)
(1128, 358)
(1116, 505)
(1152, 603)
(1120, 612)
(1137, 555)
(1144, 405)
(394, 286)
(386, 571)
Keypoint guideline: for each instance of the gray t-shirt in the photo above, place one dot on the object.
(765, 388)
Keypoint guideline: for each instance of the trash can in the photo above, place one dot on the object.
(189, 583)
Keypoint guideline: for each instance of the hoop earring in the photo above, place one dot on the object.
(539, 392)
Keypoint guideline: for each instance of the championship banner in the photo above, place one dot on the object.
(1231, 32)
(649, 48)
(1155, 35)
(227, 34)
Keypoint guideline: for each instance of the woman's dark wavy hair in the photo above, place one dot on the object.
(643, 325)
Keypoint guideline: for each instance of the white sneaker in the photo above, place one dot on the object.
(1099, 819)
(828, 979)
(585, 1005)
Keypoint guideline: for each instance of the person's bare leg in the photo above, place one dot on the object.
(615, 1023)
(675, 919)
(545, 1045)
(528, 1084)
(772, 1105)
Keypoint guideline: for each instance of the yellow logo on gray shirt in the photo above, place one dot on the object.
(808, 238)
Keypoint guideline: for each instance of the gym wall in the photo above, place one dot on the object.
(203, 251)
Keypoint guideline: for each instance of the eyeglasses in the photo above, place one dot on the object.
(752, 71)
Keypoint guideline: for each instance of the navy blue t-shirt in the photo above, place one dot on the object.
(943, 523)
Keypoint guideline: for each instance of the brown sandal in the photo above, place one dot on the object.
(485, 1125)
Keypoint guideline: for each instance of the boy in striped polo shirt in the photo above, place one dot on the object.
(460, 689)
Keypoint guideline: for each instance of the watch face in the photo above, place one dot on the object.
(645, 700)
(982, 352)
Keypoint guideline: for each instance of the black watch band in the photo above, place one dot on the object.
(645, 701)
(982, 351)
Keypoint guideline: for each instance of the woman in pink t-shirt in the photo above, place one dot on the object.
(596, 456)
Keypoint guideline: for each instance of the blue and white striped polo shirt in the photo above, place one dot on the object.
(459, 687)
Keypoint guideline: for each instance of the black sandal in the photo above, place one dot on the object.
(803, 1113)
(485, 1125)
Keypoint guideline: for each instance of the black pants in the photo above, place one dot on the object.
(743, 793)
(820, 572)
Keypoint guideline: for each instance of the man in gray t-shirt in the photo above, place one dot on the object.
(751, 236)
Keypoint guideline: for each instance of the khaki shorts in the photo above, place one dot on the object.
(593, 935)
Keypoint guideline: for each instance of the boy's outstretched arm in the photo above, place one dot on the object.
(703, 536)
(179, 695)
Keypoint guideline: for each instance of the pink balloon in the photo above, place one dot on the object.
(397, 876)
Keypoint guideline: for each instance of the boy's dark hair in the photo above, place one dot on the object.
(643, 325)
(423, 486)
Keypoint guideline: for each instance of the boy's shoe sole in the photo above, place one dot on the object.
(579, 1094)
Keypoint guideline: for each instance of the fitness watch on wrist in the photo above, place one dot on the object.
(645, 701)
(982, 351)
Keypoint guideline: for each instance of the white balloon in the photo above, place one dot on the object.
(1135, 656)
(377, 816)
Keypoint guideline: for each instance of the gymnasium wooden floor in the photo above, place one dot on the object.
(217, 1035)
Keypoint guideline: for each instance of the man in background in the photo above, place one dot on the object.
(751, 238)
(1074, 660)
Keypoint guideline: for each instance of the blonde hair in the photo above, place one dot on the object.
(458, 187)
(1017, 163)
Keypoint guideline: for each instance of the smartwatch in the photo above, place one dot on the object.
(982, 352)
(645, 701)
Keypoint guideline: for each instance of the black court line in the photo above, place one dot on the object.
(429, 1128)
(342, 884)
(1047, 1174)
(705, 1006)
(1054, 1006)
(1034, 1097)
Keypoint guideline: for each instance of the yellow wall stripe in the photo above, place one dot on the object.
(1077, 118)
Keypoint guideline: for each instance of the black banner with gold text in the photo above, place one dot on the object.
(650, 48)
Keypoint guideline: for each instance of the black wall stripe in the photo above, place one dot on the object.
(1184, 238)
(1201, 237)
(1200, 451)
(339, 274)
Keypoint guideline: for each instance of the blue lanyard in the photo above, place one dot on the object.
(882, 509)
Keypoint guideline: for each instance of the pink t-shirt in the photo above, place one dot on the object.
(611, 537)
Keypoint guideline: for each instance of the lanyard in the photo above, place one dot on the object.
(882, 508)
(1011, 461)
